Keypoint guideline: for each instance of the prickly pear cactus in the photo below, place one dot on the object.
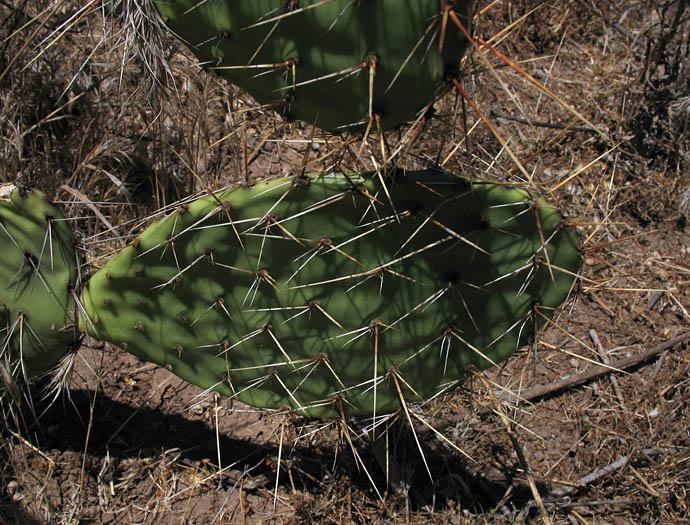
(38, 271)
(333, 63)
(319, 294)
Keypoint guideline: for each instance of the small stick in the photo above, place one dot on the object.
(585, 377)
(33, 448)
(654, 298)
(216, 409)
(509, 426)
(595, 503)
(600, 473)
(543, 124)
(647, 487)
(607, 361)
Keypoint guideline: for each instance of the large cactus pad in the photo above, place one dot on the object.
(38, 271)
(317, 293)
(333, 63)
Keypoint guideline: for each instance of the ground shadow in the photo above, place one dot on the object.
(122, 432)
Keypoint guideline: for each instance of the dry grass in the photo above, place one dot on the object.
(129, 443)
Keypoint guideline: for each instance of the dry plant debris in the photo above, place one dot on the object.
(581, 101)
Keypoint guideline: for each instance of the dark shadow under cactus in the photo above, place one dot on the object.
(121, 435)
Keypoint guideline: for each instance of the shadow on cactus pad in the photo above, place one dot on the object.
(39, 268)
(337, 294)
(342, 65)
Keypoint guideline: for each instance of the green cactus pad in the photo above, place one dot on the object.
(330, 63)
(334, 301)
(38, 271)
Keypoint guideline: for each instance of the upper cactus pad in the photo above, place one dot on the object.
(333, 63)
(335, 301)
(38, 271)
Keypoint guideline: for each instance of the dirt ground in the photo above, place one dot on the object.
(596, 109)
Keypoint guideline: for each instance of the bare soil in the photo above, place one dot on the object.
(599, 121)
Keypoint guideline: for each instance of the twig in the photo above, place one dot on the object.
(29, 445)
(600, 473)
(85, 200)
(548, 125)
(654, 298)
(585, 377)
(509, 426)
(605, 359)
(570, 504)
(533, 394)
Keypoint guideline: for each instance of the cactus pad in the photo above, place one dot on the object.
(38, 270)
(318, 294)
(333, 63)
